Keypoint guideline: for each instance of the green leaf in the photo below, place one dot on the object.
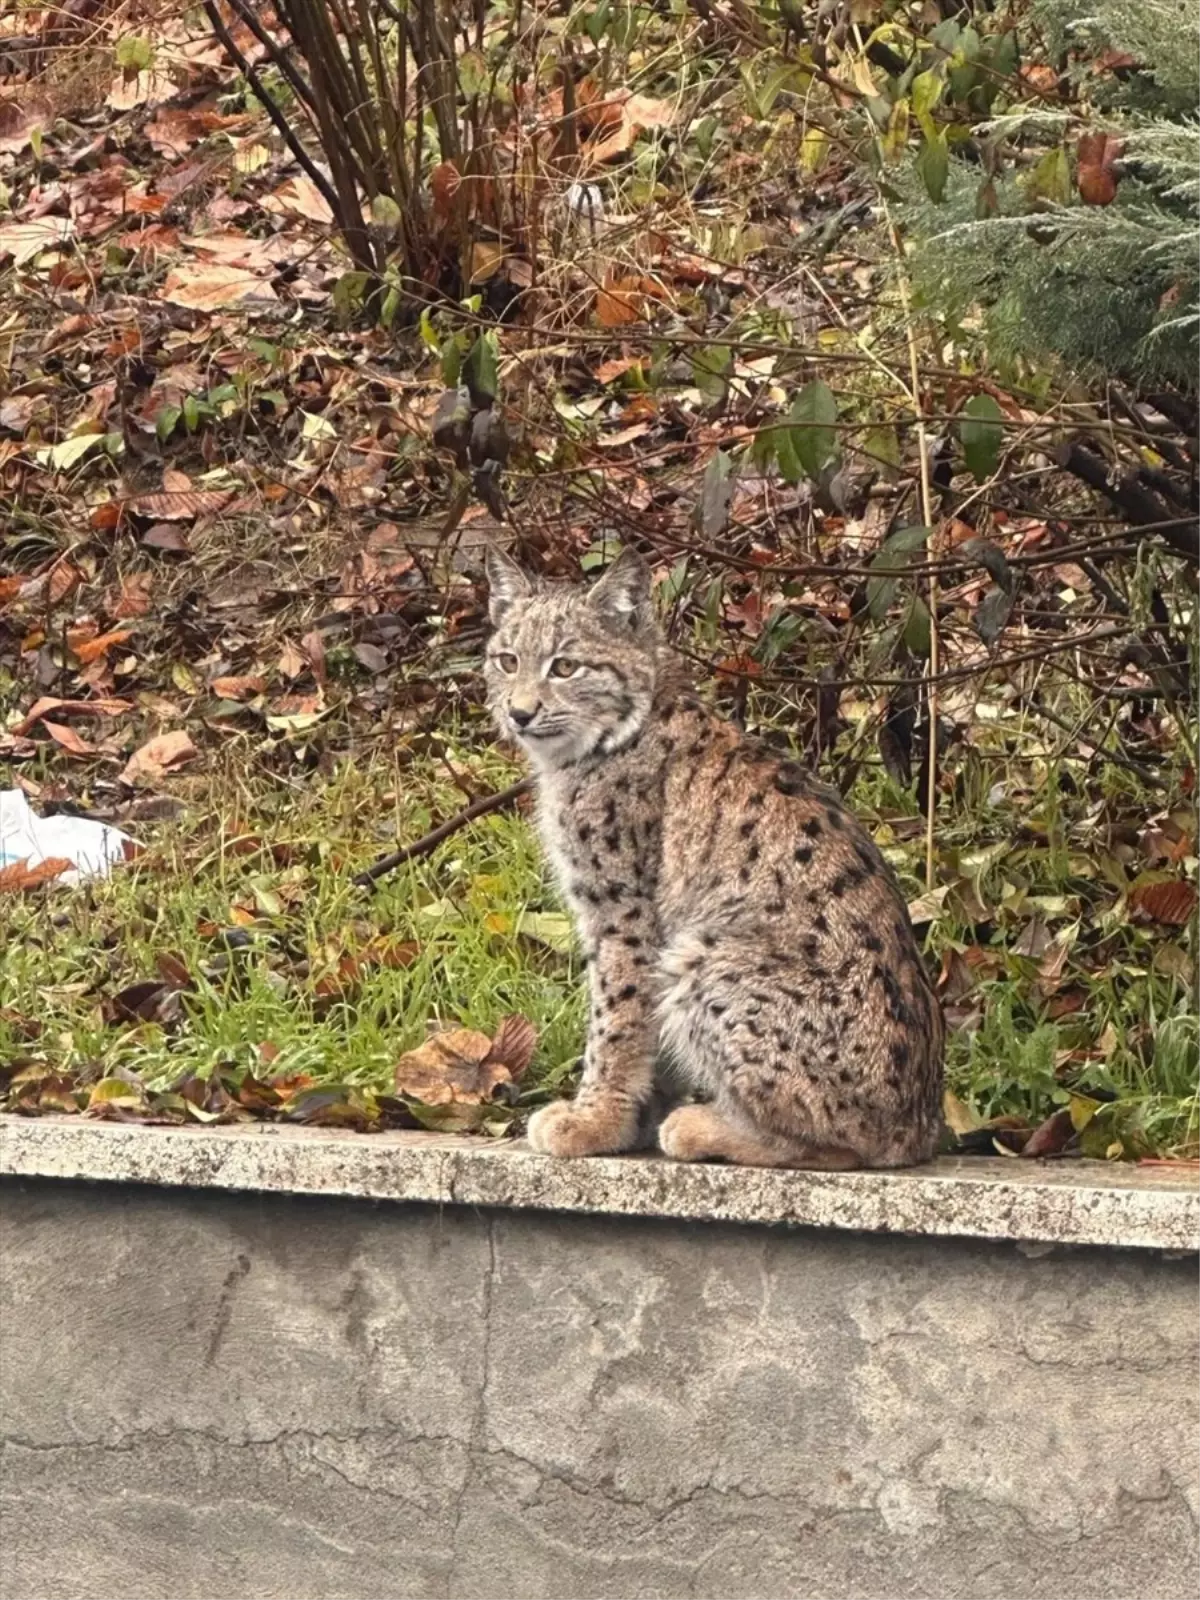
(715, 495)
(933, 165)
(882, 443)
(784, 447)
(134, 54)
(926, 92)
(68, 452)
(711, 369)
(895, 140)
(981, 432)
(428, 336)
(481, 370)
(164, 423)
(812, 434)
(1051, 178)
(894, 552)
(191, 413)
(390, 306)
(596, 21)
(385, 213)
(916, 627)
(348, 292)
(1006, 55)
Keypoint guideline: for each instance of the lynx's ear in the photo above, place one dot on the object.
(506, 582)
(622, 595)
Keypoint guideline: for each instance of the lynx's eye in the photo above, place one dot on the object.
(506, 661)
(563, 667)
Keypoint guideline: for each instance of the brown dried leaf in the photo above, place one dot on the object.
(19, 876)
(514, 1044)
(157, 756)
(135, 597)
(68, 739)
(1096, 179)
(93, 649)
(180, 507)
(1172, 901)
(210, 285)
(451, 1068)
(238, 688)
(102, 706)
(1051, 1136)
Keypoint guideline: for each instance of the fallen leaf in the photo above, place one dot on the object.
(291, 662)
(25, 240)
(454, 1067)
(298, 197)
(135, 598)
(162, 754)
(95, 648)
(238, 688)
(959, 1117)
(180, 506)
(162, 536)
(21, 117)
(551, 928)
(104, 706)
(68, 738)
(1172, 901)
(1050, 1136)
(173, 133)
(513, 1045)
(209, 286)
(19, 876)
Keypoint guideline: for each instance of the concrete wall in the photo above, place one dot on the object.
(214, 1396)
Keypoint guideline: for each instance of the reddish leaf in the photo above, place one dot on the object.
(179, 507)
(238, 688)
(1172, 901)
(68, 739)
(18, 876)
(1096, 178)
(513, 1045)
(1051, 1136)
(95, 648)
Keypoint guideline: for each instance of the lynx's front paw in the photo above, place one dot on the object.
(568, 1129)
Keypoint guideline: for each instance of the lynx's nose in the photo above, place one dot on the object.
(521, 716)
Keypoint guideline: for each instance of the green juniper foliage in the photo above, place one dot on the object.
(1108, 288)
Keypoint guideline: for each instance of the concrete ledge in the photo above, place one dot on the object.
(1075, 1203)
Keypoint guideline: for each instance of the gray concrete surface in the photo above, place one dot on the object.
(1065, 1202)
(233, 1396)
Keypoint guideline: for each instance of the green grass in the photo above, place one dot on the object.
(476, 922)
(306, 994)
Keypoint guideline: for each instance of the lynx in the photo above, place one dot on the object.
(735, 917)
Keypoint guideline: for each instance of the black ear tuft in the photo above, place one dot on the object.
(506, 582)
(622, 595)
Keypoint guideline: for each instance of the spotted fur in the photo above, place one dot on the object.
(734, 914)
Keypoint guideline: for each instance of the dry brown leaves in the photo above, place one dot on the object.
(464, 1067)
(1171, 901)
(19, 876)
(158, 756)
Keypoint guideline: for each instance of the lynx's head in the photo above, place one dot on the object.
(571, 670)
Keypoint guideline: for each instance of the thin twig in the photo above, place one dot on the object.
(931, 683)
(430, 841)
(276, 115)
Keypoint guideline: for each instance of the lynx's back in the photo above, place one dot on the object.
(734, 911)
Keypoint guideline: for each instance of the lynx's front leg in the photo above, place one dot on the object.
(618, 1066)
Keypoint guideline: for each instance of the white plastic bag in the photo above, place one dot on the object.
(24, 836)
